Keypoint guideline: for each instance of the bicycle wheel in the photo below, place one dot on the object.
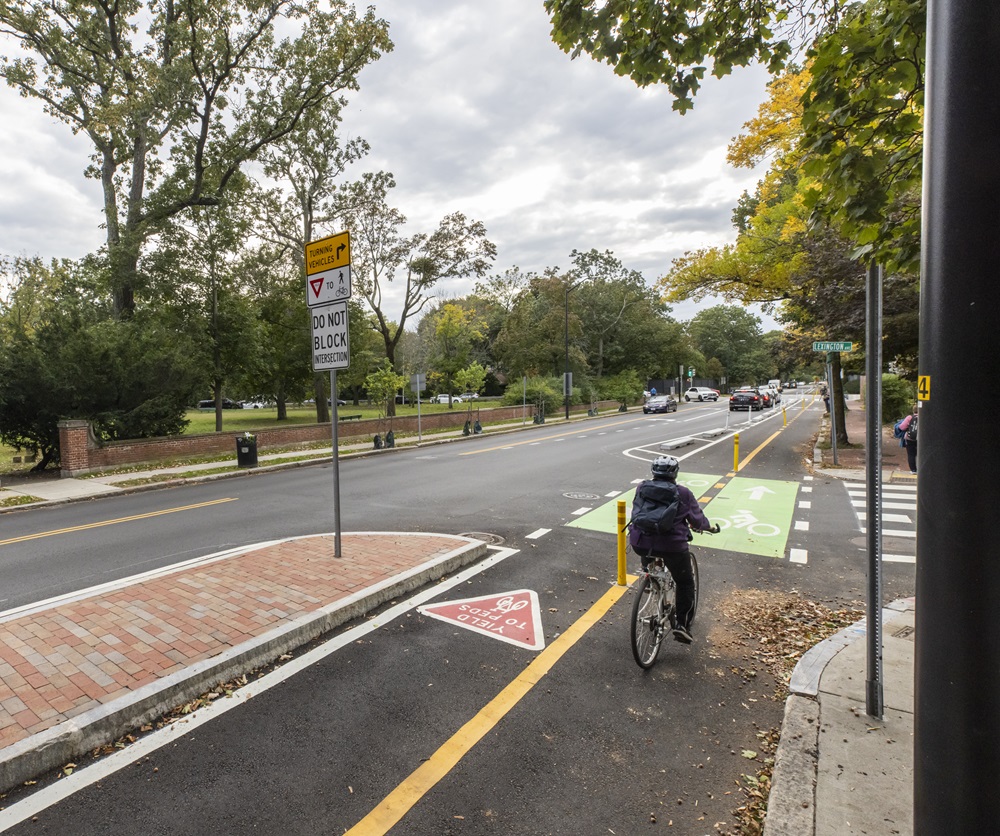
(648, 621)
(694, 571)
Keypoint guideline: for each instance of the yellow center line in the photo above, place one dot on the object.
(114, 522)
(547, 438)
(402, 799)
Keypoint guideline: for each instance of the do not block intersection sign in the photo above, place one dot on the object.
(512, 617)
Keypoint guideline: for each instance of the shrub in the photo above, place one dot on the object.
(897, 397)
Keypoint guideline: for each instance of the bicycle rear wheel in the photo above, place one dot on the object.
(694, 572)
(648, 621)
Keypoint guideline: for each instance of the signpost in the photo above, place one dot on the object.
(829, 348)
(328, 287)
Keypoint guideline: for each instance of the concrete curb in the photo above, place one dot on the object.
(66, 742)
(791, 805)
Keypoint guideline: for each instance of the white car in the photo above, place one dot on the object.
(701, 393)
(469, 396)
(444, 399)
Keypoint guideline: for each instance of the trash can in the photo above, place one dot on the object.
(246, 451)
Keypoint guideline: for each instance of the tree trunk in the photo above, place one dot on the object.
(837, 400)
(322, 407)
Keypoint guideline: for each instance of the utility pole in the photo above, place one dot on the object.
(957, 685)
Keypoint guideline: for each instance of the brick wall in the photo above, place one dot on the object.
(80, 452)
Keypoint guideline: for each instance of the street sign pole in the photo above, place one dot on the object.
(833, 410)
(328, 287)
(335, 431)
(873, 500)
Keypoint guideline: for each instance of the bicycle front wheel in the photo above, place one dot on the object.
(694, 572)
(647, 621)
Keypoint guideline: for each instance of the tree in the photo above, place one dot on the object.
(653, 42)
(454, 330)
(731, 335)
(457, 248)
(178, 96)
(63, 356)
(471, 379)
(307, 164)
(863, 106)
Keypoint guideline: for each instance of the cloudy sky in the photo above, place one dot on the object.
(475, 110)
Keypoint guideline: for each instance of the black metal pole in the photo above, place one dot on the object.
(566, 376)
(873, 500)
(957, 685)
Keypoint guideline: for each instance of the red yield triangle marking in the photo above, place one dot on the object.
(512, 617)
(316, 284)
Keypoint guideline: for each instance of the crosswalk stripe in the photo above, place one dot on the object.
(896, 518)
(895, 506)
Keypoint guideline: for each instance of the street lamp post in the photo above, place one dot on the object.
(567, 389)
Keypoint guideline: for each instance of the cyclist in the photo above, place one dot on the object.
(672, 548)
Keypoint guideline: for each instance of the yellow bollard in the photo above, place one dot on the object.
(784, 417)
(621, 542)
(736, 453)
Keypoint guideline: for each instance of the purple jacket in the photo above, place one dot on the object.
(688, 511)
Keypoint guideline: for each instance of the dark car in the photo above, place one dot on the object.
(661, 403)
(226, 404)
(745, 399)
(768, 396)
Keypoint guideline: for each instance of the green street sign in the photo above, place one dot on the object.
(833, 346)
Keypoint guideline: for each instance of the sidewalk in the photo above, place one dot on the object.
(838, 771)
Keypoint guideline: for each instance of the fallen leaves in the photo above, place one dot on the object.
(775, 628)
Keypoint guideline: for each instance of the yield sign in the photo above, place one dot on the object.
(512, 617)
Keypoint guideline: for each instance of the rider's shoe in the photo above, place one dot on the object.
(682, 634)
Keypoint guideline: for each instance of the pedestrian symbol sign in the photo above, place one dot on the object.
(512, 617)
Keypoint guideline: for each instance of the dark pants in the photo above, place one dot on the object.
(911, 454)
(679, 566)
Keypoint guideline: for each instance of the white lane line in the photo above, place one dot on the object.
(805, 488)
(612, 494)
(894, 532)
(538, 532)
(895, 506)
(580, 511)
(798, 555)
(805, 504)
(900, 558)
(896, 518)
(801, 525)
(807, 478)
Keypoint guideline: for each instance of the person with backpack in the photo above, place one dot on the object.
(908, 427)
(663, 516)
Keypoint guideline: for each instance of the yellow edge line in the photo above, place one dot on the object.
(402, 799)
(765, 443)
(113, 522)
(547, 438)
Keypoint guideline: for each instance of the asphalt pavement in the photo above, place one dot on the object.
(79, 671)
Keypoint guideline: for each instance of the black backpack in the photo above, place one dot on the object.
(911, 430)
(654, 508)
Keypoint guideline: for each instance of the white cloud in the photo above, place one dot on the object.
(475, 110)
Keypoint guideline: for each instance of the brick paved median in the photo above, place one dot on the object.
(58, 663)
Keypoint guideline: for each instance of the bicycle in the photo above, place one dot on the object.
(654, 610)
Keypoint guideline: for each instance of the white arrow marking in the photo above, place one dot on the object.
(757, 492)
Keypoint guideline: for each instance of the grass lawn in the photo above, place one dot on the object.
(235, 420)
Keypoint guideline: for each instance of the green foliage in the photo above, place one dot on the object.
(625, 387)
(382, 384)
(546, 391)
(863, 128)
(898, 396)
(653, 42)
(471, 379)
(177, 96)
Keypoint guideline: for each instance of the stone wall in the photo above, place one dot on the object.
(81, 453)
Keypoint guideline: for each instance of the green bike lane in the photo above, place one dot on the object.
(755, 514)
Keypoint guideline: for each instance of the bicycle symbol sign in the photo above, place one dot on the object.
(745, 519)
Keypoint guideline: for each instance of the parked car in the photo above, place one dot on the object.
(748, 399)
(661, 403)
(339, 402)
(255, 405)
(226, 404)
(701, 393)
(444, 398)
(469, 396)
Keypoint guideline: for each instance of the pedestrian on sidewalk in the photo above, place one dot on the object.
(908, 426)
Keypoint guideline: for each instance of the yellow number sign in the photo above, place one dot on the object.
(923, 387)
